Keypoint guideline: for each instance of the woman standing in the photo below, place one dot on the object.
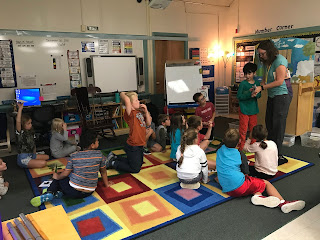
(275, 73)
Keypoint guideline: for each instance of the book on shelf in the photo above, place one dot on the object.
(115, 124)
(116, 111)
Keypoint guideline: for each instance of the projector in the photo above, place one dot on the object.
(159, 4)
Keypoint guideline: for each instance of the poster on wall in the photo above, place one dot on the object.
(128, 47)
(116, 46)
(87, 47)
(103, 46)
(74, 68)
(7, 67)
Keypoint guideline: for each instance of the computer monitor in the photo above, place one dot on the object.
(31, 96)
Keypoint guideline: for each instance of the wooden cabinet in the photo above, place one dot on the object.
(300, 113)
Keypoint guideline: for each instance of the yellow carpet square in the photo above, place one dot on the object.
(212, 156)
(119, 152)
(120, 187)
(144, 208)
(291, 165)
(162, 156)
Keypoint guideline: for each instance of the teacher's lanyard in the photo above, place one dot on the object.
(268, 69)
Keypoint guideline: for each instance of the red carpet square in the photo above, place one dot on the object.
(90, 226)
(124, 186)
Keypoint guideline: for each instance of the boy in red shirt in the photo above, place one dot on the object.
(133, 116)
(206, 111)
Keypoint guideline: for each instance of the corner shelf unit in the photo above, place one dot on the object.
(222, 103)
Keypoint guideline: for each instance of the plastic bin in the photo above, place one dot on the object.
(73, 130)
(234, 125)
(288, 140)
(310, 139)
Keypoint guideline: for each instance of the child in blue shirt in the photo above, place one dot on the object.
(177, 127)
(236, 184)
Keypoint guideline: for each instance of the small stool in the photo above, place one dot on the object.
(190, 186)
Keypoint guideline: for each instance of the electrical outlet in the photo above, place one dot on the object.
(83, 28)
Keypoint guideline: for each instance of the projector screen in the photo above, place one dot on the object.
(182, 83)
(115, 73)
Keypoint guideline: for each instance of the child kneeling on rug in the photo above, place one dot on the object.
(236, 184)
(80, 177)
(192, 163)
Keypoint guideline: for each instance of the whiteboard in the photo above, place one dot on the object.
(34, 60)
(115, 73)
(182, 82)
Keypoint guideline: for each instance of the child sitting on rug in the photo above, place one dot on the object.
(207, 112)
(236, 184)
(266, 154)
(195, 122)
(133, 116)
(80, 177)
(151, 139)
(4, 186)
(192, 161)
(161, 132)
(178, 125)
(59, 144)
(27, 157)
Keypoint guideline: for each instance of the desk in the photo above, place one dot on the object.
(53, 222)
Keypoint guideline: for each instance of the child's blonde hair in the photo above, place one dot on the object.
(231, 137)
(188, 138)
(24, 119)
(130, 95)
(56, 125)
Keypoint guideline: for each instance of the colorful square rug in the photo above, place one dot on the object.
(139, 203)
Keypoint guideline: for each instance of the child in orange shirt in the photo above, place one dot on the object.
(133, 115)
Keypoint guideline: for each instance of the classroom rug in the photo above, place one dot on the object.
(139, 203)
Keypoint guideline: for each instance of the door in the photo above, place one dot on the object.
(166, 50)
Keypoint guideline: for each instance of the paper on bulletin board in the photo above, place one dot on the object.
(204, 91)
(116, 46)
(28, 80)
(72, 54)
(103, 46)
(74, 70)
(128, 47)
(74, 62)
(87, 46)
(75, 84)
(48, 91)
(75, 77)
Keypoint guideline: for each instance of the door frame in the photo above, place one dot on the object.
(163, 34)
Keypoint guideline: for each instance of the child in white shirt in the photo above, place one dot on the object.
(266, 154)
(192, 163)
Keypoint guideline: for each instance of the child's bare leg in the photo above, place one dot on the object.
(37, 163)
(272, 191)
(42, 157)
(211, 164)
(204, 144)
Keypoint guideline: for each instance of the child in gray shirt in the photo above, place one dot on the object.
(59, 144)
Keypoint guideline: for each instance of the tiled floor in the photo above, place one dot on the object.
(306, 227)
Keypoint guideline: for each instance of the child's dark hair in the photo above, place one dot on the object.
(196, 97)
(176, 123)
(194, 121)
(87, 138)
(187, 138)
(260, 133)
(250, 68)
(231, 137)
(162, 118)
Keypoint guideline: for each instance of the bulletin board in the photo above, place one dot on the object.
(41, 59)
(244, 45)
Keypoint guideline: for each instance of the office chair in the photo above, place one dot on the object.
(41, 122)
(95, 116)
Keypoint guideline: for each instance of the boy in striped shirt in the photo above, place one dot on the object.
(80, 177)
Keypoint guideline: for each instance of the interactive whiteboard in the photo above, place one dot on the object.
(182, 82)
(115, 73)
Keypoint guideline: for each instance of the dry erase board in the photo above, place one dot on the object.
(115, 73)
(182, 82)
(44, 59)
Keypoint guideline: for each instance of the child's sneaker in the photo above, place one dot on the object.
(288, 206)
(146, 151)
(270, 202)
(37, 201)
